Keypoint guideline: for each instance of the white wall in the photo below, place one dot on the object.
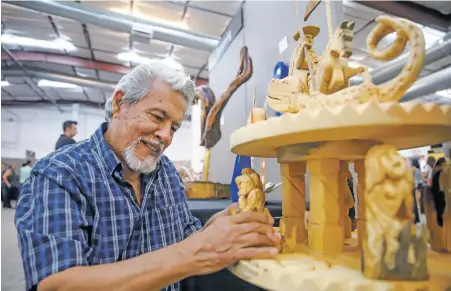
(38, 128)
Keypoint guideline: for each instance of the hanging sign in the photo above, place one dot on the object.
(235, 26)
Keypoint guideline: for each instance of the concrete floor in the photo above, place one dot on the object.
(12, 271)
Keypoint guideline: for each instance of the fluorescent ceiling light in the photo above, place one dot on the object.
(47, 83)
(135, 58)
(132, 57)
(5, 83)
(58, 44)
(444, 93)
(139, 14)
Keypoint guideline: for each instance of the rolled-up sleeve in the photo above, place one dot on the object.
(51, 226)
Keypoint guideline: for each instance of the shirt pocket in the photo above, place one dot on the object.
(168, 223)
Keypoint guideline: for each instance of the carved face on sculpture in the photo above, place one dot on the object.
(394, 164)
(308, 40)
(388, 182)
(245, 184)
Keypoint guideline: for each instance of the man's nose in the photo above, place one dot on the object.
(164, 133)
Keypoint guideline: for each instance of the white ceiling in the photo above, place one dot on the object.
(99, 44)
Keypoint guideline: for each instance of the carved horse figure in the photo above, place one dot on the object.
(332, 72)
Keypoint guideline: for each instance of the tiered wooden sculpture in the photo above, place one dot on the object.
(211, 131)
(325, 125)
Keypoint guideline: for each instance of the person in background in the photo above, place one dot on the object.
(9, 179)
(438, 195)
(418, 189)
(427, 173)
(24, 172)
(69, 131)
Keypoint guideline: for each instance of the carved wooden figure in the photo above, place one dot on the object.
(250, 191)
(390, 249)
(283, 96)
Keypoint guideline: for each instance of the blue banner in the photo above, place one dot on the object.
(241, 162)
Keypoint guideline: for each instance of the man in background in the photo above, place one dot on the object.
(69, 131)
(24, 172)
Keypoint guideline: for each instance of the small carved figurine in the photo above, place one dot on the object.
(391, 251)
(251, 195)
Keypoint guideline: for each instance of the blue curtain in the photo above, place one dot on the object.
(241, 162)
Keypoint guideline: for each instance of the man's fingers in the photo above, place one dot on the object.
(255, 239)
(256, 253)
(256, 227)
(245, 217)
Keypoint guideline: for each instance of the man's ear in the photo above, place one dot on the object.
(117, 101)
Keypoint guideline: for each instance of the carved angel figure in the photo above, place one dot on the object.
(390, 250)
(251, 195)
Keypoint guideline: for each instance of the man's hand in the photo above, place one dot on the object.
(247, 235)
(223, 213)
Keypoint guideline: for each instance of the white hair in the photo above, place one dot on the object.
(135, 84)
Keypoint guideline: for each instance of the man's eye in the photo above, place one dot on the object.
(157, 117)
(174, 129)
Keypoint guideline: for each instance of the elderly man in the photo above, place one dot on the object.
(109, 213)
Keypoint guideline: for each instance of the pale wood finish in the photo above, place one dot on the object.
(390, 249)
(325, 127)
(332, 71)
(293, 199)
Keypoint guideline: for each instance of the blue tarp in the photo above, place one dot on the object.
(241, 162)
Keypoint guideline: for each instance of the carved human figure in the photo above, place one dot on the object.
(250, 191)
(390, 249)
(299, 66)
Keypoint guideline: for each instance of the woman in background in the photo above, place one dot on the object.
(418, 189)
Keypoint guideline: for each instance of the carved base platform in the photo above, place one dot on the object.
(306, 270)
(207, 190)
(403, 125)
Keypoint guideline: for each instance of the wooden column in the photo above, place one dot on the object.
(360, 171)
(293, 198)
(325, 230)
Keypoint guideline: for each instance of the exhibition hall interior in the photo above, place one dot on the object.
(332, 117)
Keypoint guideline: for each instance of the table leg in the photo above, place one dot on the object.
(293, 199)
(326, 230)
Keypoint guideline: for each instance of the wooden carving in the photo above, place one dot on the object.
(288, 239)
(207, 99)
(212, 133)
(391, 251)
(333, 72)
(311, 5)
(250, 191)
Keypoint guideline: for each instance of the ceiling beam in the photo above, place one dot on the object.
(412, 11)
(74, 61)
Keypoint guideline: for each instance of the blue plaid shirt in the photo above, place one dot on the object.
(76, 209)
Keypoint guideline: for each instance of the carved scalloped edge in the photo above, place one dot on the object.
(305, 273)
(412, 113)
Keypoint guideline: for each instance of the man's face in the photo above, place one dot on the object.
(73, 130)
(308, 41)
(145, 129)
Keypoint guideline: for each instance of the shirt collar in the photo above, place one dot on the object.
(109, 158)
(107, 155)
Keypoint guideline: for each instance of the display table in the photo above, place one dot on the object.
(223, 280)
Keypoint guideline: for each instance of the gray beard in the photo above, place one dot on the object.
(145, 166)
